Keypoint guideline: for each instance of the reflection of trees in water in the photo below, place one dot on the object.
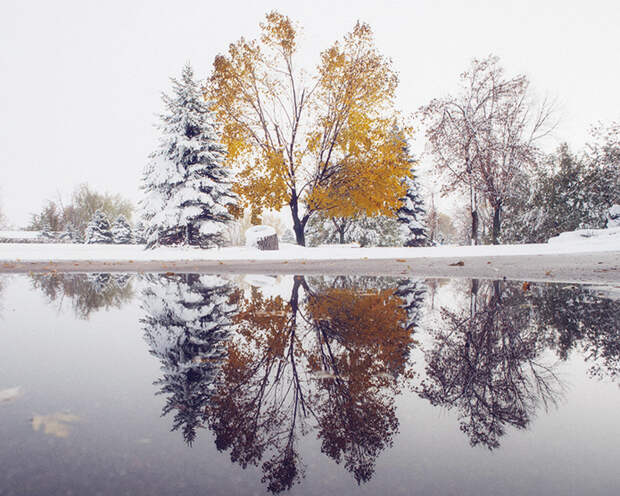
(582, 321)
(264, 371)
(361, 343)
(487, 362)
(88, 292)
(330, 359)
(261, 400)
(412, 292)
(186, 324)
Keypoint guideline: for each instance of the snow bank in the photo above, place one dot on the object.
(609, 236)
(39, 252)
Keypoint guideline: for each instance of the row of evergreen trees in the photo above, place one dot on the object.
(188, 196)
(99, 230)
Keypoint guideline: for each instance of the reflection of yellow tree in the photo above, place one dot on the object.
(361, 343)
(334, 360)
(486, 363)
(261, 397)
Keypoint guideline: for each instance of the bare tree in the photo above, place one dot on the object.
(485, 136)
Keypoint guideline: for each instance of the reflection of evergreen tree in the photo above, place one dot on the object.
(412, 292)
(186, 326)
(486, 362)
(88, 292)
(584, 321)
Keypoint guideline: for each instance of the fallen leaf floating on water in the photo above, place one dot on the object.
(10, 394)
(460, 263)
(55, 424)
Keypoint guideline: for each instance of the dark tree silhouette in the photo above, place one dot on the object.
(584, 321)
(330, 359)
(486, 362)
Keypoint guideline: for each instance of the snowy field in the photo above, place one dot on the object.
(573, 257)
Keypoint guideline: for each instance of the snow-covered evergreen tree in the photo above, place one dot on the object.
(98, 229)
(121, 231)
(71, 234)
(139, 231)
(565, 193)
(187, 187)
(186, 325)
(412, 214)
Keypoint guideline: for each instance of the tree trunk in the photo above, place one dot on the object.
(474, 227)
(473, 206)
(497, 219)
(298, 225)
(300, 236)
(341, 230)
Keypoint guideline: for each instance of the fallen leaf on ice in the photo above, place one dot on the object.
(10, 394)
(54, 424)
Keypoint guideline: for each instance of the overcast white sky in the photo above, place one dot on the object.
(80, 81)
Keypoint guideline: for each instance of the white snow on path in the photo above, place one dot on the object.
(14, 252)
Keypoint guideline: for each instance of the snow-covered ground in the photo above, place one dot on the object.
(610, 236)
(20, 234)
(569, 258)
(603, 240)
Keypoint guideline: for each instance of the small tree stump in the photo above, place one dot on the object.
(262, 237)
(268, 243)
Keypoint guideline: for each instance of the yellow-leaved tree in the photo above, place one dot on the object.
(327, 142)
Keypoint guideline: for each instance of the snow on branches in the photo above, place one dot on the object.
(98, 229)
(187, 187)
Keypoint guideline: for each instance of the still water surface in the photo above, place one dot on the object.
(199, 384)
